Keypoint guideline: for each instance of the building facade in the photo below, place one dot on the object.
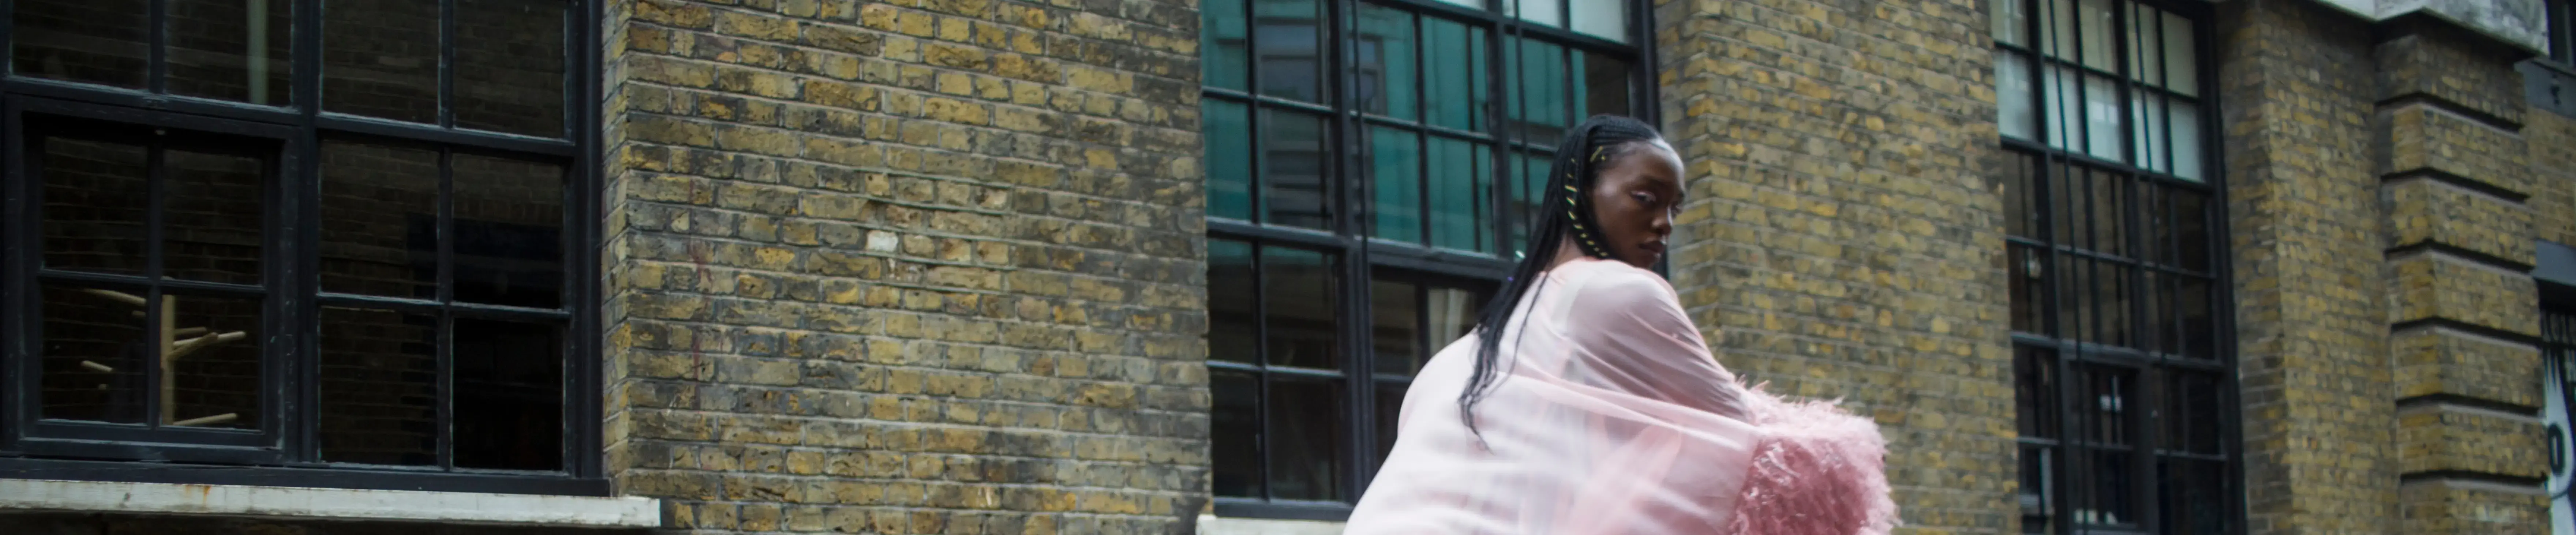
(2249, 267)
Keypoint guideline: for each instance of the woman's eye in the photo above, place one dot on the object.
(1643, 197)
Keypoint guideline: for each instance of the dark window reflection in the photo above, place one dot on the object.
(1385, 70)
(2035, 392)
(231, 49)
(2195, 496)
(2027, 272)
(1544, 98)
(1295, 188)
(1234, 333)
(1604, 88)
(1223, 55)
(95, 199)
(1390, 406)
(1454, 63)
(1299, 289)
(1288, 44)
(2038, 490)
(214, 373)
(95, 352)
(510, 66)
(509, 395)
(379, 387)
(95, 41)
(2191, 404)
(372, 198)
(1236, 438)
(1394, 309)
(508, 232)
(1395, 179)
(1305, 437)
(211, 216)
(380, 59)
(1229, 159)
(1460, 201)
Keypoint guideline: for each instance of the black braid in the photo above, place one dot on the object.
(1586, 149)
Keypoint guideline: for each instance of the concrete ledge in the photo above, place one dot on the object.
(1213, 525)
(340, 504)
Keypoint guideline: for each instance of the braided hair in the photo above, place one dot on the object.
(1565, 213)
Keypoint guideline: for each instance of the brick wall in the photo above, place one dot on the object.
(1845, 238)
(928, 266)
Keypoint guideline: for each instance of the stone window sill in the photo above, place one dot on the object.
(1214, 525)
(333, 504)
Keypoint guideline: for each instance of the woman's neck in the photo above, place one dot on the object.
(1566, 253)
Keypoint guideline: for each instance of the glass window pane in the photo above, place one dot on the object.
(1395, 178)
(2038, 490)
(508, 228)
(1229, 158)
(1390, 407)
(2183, 121)
(380, 59)
(1451, 312)
(2191, 413)
(1543, 96)
(95, 41)
(510, 61)
(2095, 18)
(1454, 62)
(95, 199)
(1234, 333)
(2029, 271)
(1385, 73)
(2198, 337)
(2190, 222)
(2110, 213)
(2073, 277)
(230, 49)
(95, 350)
(2011, 23)
(1478, 4)
(2102, 119)
(1531, 175)
(2057, 85)
(212, 344)
(2107, 500)
(1235, 437)
(2196, 496)
(1300, 292)
(2014, 116)
(2146, 45)
(2102, 404)
(509, 395)
(2182, 67)
(379, 220)
(1287, 47)
(1542, 12)
(1603, 19)
(2021, 196)
(1395, 310)
(211, 216)
(2035, 391)
(2147, 125)
(1224, 60)
(1458, 195)
(379, 387)
(1305, 431)
(2112, 298)
(1295, 189)
(1604, 89)
(2057, 35)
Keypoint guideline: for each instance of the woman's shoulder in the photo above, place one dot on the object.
(1608, 281)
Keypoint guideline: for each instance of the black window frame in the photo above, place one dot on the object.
(285, 451)
(2046, 361)
(1360, 258)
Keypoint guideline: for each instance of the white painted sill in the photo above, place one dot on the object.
(331, 504)
(1215, 525)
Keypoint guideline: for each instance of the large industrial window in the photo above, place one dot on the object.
(1369, 169)
(328, 243)
(2122, 350)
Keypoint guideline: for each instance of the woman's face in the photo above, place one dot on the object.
(1634, 199)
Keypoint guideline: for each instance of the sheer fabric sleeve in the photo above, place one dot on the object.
(1630, 334)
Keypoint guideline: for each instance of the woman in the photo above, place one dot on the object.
(1598, 409)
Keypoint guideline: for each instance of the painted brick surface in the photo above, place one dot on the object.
(2424, 211)
(1844, 237)
(2441, 507)
(908, 267)
(2296, 80)
(2443, 438)
(2422, 138)
(2433, 361)
(2449, 64)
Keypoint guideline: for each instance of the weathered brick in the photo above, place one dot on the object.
(2426, 211)
(2447, 438)
(2438, 361)
(2431, 286)
(2468, 507)
(2423, 138)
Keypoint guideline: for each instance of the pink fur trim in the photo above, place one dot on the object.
(1820, 471)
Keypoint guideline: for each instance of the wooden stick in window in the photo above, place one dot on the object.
(122, 297)
(96, 367)
(216, 419)
(169, 354)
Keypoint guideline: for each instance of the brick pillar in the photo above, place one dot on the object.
(1844, 238)
(2454, 175)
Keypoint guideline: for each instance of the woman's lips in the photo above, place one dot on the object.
(1653, 247)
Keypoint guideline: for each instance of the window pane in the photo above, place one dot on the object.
(2191, 412)
(95, 199)
(1604, 90)
(1458, 195)
(2195, 501)
(1532, 176)
(508, 228)
(2074, 277)
(2014, 116)
(2182, 68)
(510, 66)
(1234, 333)
(1287, 45)
(2146, 45)
(2107, 501)
(1454, 59)
(1390, 407)
(509, 395)
(1395, 309)
(1542, 12)
(1235, 437)
(1385, 71)
(2102, 404)
(2198, 338)
(2110, 212)
(1395, 175)
(1543, 96)
(2147, 125)
(2099, 52)
(379, 220)
(211, 217)
(1223, 58)
(2102, 119)
(2035, 391)
(380, 59)
(95, 41)
(2021, 196)
(1305, 439)
(2028, 269)
(95, 350)
(2184, 123)
(2011, 23)
(2038, 490)
(1478, 4)
(2112, 297)
(1299, 290)
(213, 347)
(1452, 312)
(379, 387)
(1294, 186)
(1606, 20)
(2058, 96)
(231, 49)
(2057, 35)
(1229, 159)
(2190, 222)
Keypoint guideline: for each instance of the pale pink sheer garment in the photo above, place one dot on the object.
(1609, 416)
